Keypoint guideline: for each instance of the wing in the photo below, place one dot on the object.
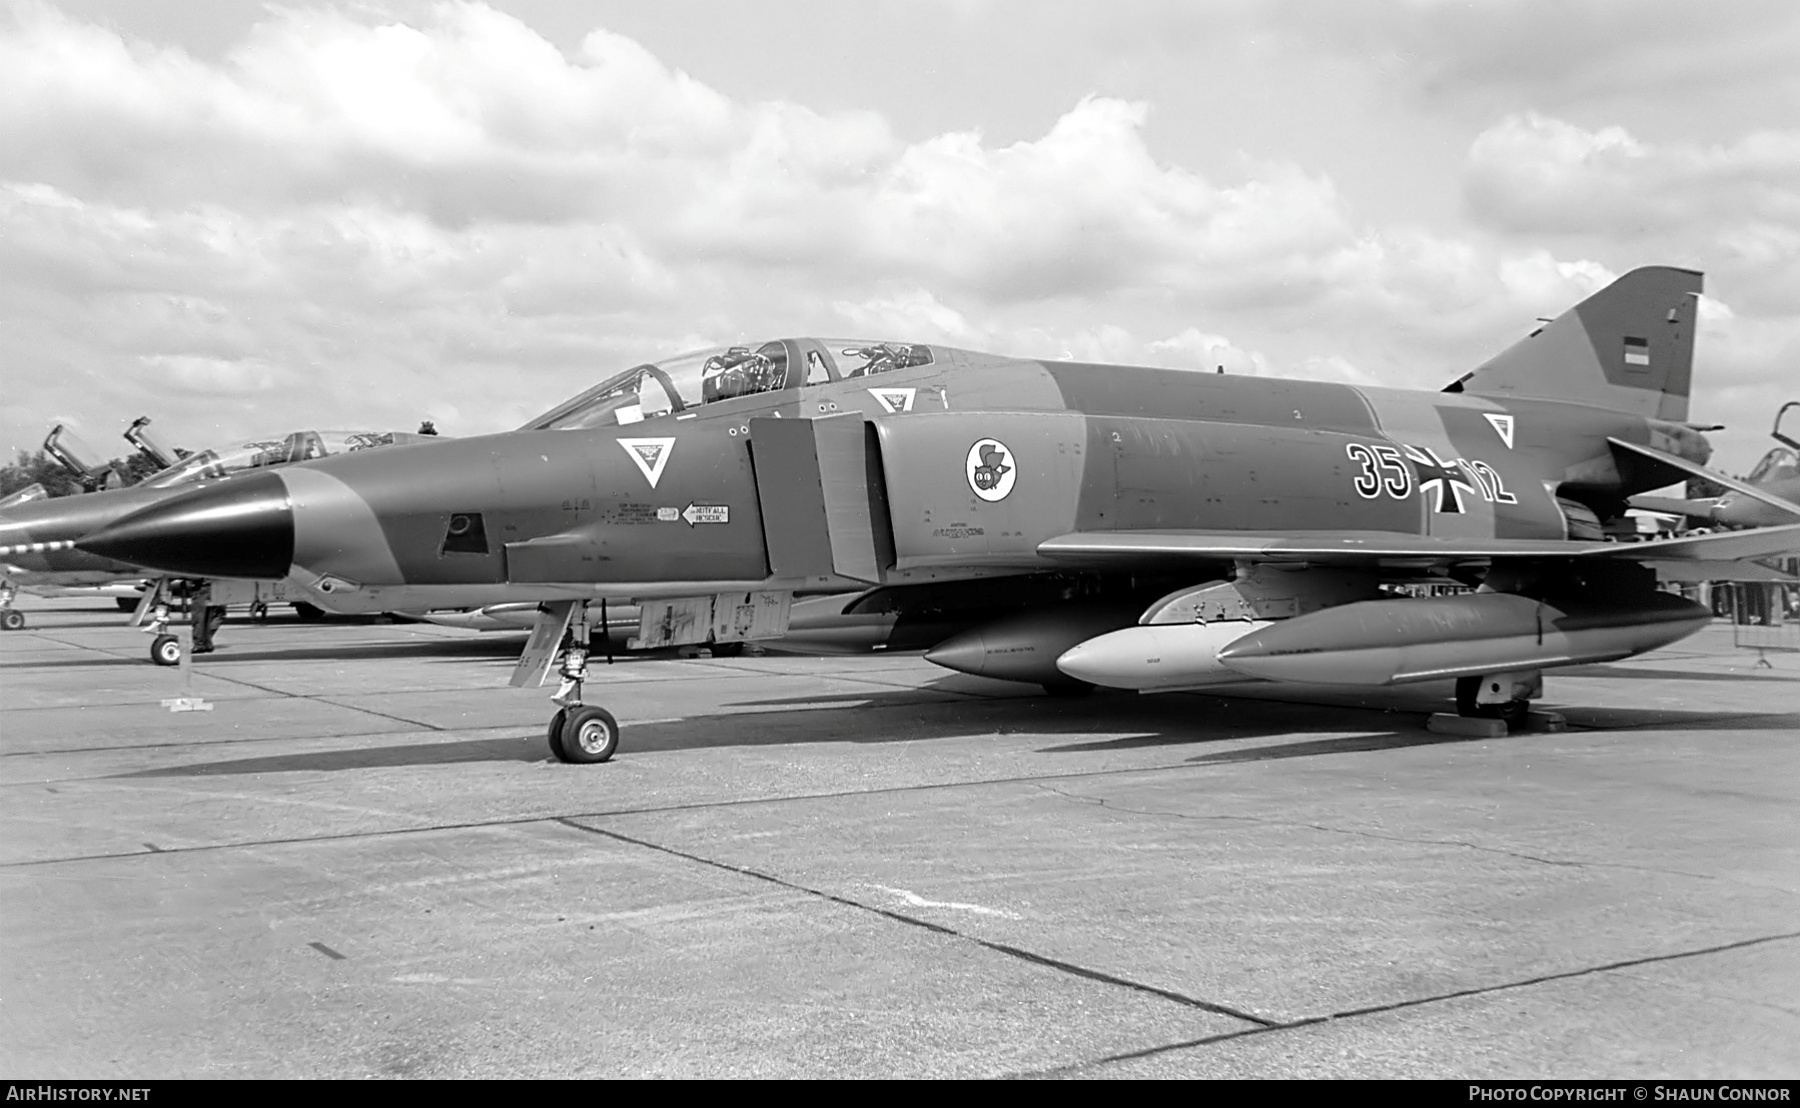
(1720, 556)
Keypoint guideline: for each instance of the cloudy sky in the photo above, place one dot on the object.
(242, 218)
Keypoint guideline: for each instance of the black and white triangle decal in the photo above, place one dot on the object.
(651, 456)
(1503, 426)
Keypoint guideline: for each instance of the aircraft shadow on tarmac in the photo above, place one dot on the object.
(369, 757)
(449, 649)
(1175, 719)
(1635, 673)
(229, 654)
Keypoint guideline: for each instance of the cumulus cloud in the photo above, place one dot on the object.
(1534, 174)
(351, 216)
(1556, 54)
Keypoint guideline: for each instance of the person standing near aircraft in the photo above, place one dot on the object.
(206, 617)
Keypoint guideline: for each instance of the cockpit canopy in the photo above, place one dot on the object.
(1777, 464)
(300, 446)
(689, 381)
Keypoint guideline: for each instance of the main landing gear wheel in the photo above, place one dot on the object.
(165, 650)
(589, 735)
(1512, 712)
(308, 612)
(12, 619)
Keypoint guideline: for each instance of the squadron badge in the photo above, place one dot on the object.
(651, 455)
(894, 401)
(991, 469)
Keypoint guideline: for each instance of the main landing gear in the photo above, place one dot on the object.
(579, 733)
(11, 619)
(1503, 696)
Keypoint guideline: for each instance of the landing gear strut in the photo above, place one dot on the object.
(165, 649)
(11, 619)
(579, 733)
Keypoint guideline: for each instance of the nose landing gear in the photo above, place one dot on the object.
(580, 733)
(165, 649)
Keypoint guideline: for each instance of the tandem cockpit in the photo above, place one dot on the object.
(299, 446)
(690, 381)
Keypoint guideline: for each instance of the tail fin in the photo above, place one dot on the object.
(1628, 347)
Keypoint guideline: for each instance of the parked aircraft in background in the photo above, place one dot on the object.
(38, 537)
(87, 465)
(138, 435)
(1776, 475)
(33, 491)
(1058, 523)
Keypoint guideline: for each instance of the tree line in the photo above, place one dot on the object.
(42, 469)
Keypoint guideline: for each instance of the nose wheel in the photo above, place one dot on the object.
(579, 733)
(165, 650)
(584, 735)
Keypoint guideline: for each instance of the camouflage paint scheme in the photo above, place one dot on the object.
(1089, 450)
(966, 486)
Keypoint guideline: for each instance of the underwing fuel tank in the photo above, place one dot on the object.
(1387, 642)
(1025, 646)
(1160, 657)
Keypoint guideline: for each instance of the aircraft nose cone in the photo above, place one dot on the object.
(243, 527)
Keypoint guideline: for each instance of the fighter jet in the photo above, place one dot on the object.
(1777, 474)
(38, 537)
(1060, 523)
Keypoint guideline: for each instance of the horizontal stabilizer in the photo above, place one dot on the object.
(1697, 470)
(1760, 542)
(1674, 506)
(1696, 570)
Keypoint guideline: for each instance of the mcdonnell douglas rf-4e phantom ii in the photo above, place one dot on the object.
(1050, 522)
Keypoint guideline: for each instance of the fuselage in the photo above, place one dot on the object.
(972, 460)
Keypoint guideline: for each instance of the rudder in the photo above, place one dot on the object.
(1628, 347)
